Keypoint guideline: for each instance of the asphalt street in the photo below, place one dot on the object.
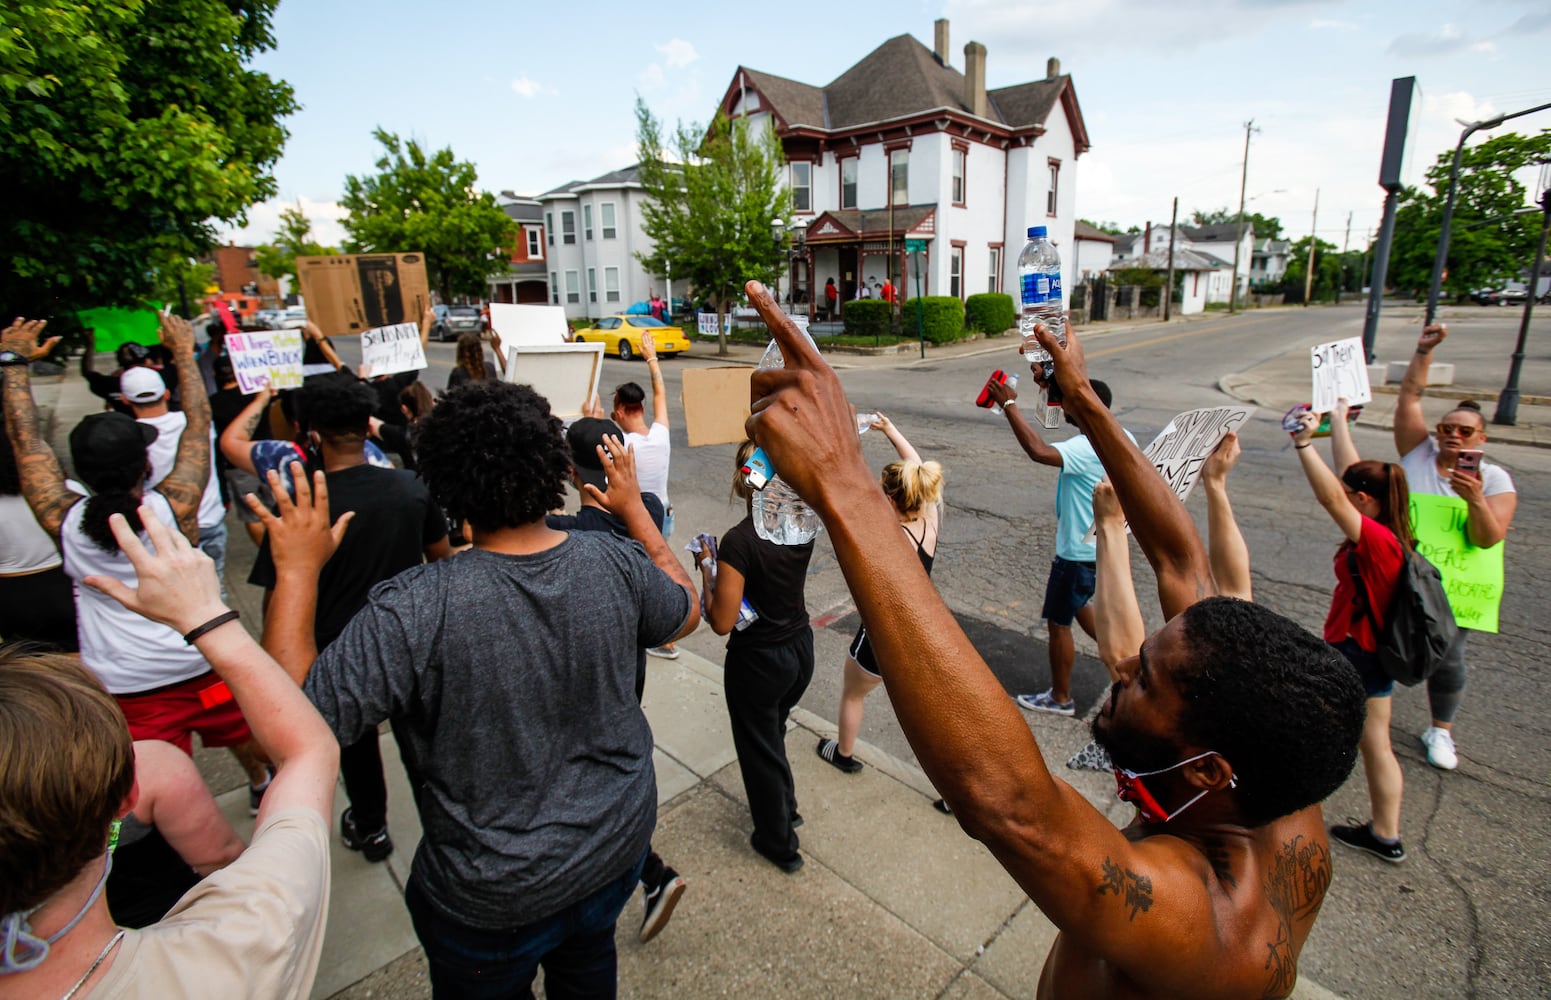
(1467, 913)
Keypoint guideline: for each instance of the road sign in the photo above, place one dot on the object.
(915, 246)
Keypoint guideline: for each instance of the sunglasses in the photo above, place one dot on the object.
(1459, 430)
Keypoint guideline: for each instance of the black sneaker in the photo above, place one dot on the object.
(256, 792)
(373, 846)
(791, 865)
(1362, 838)
(830, 750)
(660, 901)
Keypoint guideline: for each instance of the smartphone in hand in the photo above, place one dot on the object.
(1469, 462)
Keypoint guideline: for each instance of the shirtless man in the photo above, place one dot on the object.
(1233, 721)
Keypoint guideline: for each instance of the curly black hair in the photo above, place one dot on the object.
(493, 455)
(1280, 704)
(337, 406)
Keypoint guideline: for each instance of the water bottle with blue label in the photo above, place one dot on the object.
(1039, 280)
(780, 515)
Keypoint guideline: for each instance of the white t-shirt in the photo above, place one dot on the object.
(1422, 476)
(651, 460)
(126, 651)
(252, 929)
(24, 546)
(164, 453)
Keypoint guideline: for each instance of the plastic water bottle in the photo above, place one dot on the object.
(1039, 277)
(780, 515)
(1011, 383)
(864, 422)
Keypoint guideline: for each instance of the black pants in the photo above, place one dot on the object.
(360, 764)
(39, 607)
(763, 685)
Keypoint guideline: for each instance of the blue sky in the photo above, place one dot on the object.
(539, 94)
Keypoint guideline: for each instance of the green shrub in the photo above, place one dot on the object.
(865, 317)
(942, 315)
(990, 312)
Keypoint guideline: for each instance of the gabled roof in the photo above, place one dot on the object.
(795, 103)
(1223, 232)
(846, 225)
(624, 177)
(1083, 231)
(1184, 260)
(1028, 103)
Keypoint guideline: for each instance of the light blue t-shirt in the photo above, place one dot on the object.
(1081, 471)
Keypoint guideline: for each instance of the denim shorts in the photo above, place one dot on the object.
(1069, 588)
(1376, 683)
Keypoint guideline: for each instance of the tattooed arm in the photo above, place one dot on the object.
(42, 478)
(184, 486)
(237, 439)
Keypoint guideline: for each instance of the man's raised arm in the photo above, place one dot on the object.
(1162, 526)
(42, 478)
(184, 486)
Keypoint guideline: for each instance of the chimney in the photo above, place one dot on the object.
(940, 47)
(1052, 68)
(975, 80)
(1147, 239)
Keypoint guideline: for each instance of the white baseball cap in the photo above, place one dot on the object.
(142, 385)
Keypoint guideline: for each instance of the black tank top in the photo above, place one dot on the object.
(921, 553)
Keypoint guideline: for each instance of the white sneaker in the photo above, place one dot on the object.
(1440, 748)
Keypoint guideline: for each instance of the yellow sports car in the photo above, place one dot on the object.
(621, 334)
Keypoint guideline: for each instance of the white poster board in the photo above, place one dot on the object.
(389, 350)
(529, 325)
(565, 374)
(1181, 448)
(707, 323)
(1340, 372)
(269, 359)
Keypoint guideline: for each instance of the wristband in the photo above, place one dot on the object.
(210, 626)
(1300, 447)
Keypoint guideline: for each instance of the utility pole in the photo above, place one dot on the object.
(1233, 296)
(1168, 285)
(1346, 241)
(1308, 278)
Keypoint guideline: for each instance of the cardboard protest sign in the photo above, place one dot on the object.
(1340, 372)
(716, 403)
(1181, 448)
(353, 293)
(393, 349)
(528, 325)
(1472, 576)
(270, 359)
(565, 374)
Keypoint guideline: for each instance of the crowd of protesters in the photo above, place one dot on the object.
(507, 644)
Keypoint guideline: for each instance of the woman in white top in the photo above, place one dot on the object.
(36, 599)
(1490, 498)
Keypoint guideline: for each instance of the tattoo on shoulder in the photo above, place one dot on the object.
(1295, 888)
(1135, 890)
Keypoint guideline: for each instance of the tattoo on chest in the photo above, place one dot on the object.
(1133, 889)
(1295, 887)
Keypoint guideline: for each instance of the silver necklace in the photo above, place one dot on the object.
(93, 968)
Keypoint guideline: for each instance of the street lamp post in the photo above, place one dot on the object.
(1508, 400)
(778, 233)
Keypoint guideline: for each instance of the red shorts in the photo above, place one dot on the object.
(200, 705)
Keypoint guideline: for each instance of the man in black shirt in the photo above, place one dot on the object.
(396, 526)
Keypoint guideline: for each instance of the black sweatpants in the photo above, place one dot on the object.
(360, 764)
(763, 685)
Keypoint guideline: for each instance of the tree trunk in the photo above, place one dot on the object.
(721, 327)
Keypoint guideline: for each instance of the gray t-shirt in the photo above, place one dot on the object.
(510, 681)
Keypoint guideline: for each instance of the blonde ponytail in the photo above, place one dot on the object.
(912, 486)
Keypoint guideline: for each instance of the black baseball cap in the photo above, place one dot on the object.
(104, 444)
(583, 438)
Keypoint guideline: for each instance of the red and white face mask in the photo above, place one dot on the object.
(1131, 788)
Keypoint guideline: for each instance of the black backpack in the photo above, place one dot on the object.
(1419, 628)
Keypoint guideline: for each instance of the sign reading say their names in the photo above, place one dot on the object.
(1181, 448)
(1340, 372)
(393, 349)
(271, 359)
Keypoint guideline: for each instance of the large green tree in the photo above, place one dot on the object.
(1329, 271)
(1488, 242)
(1265, 227)
(711, 213)
(429, 203)
(293, 239)
(127, 128)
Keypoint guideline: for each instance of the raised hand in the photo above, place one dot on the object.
(619, 465)
(1222, 459)
(177, 333)
(301, 539)
(175, 582)
(22, 337)
(1106, 505)
(1071, 368)
(1431, 337)
(648, 345)
(1308, 423)
(1002, 393)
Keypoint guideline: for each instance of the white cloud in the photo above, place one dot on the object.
(1329, 24)
(264, 221)
(652, 77)
(678, 53)
(530, 89)
(1448, 40)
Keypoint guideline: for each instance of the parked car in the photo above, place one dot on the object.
(454, 321)
(621, 334)
(294, 318)
(268, 319)
(1512, 297)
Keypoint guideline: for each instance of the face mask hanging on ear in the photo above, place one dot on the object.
(22, 950)
(1131, 788)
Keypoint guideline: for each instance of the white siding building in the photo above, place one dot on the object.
(904, 146)
(593, 232)
(1212, 244)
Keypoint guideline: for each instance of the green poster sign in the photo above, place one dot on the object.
(111, 326)
(1472, 576)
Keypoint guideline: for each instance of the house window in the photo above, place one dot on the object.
(535, 243)
(996, 270)
(611, 284)
(802, 186)
(848, 182)
(1055, 185)
(592, 284)
(568, 227)
(956, 272)
(958, 176)
(607, 210)
(573, 289)
(586, 222)
(554, 287)
(549, 226)
(899, 177)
